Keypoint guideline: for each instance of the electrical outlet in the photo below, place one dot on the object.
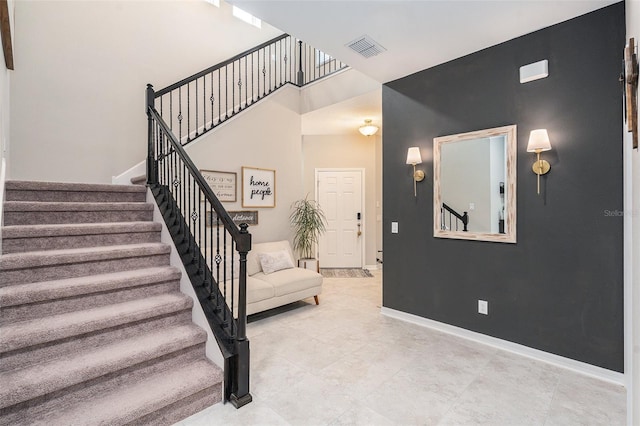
(394, 227)
(483, 307)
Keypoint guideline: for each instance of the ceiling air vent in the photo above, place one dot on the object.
(365, 46)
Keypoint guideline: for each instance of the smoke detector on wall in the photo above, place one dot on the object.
(365, 46)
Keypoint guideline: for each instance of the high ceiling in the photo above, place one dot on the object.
(417, 34)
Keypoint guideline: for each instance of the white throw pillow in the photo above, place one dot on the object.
(275, 261)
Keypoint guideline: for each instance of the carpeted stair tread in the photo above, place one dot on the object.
(66, 229)
(73, 192)
(71, 287)
(69, 186)
(125, 405)
(93, 327)
(25, 238)
(41, 212)
(61, 206)
(34, 332)
(51, 376)
(36, 259)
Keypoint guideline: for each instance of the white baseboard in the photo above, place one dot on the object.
(124, 178)
(371, 267)
(560, 361)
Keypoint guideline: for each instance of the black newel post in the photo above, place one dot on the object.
(465, 221)
(240, 395)
(152, 170)
(300, 72)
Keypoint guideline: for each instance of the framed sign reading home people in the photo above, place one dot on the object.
(258, 187)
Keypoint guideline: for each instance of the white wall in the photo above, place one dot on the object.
(349, 151)
(5, 96)
(632, 181)
(267, 136)
(329, 91)
(81, 71)
(5, 91)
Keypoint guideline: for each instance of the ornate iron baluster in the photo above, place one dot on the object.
(246, 82)
(188, 112)
(253, 89)
(300, 71)
(213, 100)
(196, 104)
(264, 73)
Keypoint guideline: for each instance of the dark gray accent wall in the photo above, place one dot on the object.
(560, 288)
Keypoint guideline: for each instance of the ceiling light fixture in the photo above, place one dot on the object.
(368, 129)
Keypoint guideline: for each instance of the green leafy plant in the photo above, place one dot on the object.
(308, 223)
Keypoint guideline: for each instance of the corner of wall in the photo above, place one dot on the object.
(632, 248)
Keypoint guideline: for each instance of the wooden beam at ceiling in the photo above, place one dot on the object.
(5, 32)
(631, 93)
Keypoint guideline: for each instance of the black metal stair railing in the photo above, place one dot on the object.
(198, 104)
(451, 219)
(213, 249)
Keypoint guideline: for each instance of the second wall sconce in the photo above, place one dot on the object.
(413, 158)
(538, 142)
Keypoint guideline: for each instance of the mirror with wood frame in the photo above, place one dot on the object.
(474, 196)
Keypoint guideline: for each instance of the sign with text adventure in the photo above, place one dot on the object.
(258, 187)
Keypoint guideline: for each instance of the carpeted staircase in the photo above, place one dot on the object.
(93, 327)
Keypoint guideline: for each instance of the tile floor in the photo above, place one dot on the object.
(343, 363)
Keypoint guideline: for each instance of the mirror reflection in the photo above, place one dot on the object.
(474, 191)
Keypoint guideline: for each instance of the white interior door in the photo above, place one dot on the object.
(340, 197)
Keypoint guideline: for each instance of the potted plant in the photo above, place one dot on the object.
(308, 223)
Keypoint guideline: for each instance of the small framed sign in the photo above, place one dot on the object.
(250, 217)
(223, 184)
(258, 187)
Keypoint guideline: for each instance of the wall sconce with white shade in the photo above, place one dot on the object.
(368, 129)
(413, 158)
(538, 142)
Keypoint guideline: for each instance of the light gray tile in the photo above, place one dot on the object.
(312, 401)
(582, 400)
(405, 404)
(359, 375)
(361, 415)
(510, 389)
(255, 413)
(343, 363)
(488, 402)
(273, 375)
(522, 375)
(312, 354)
